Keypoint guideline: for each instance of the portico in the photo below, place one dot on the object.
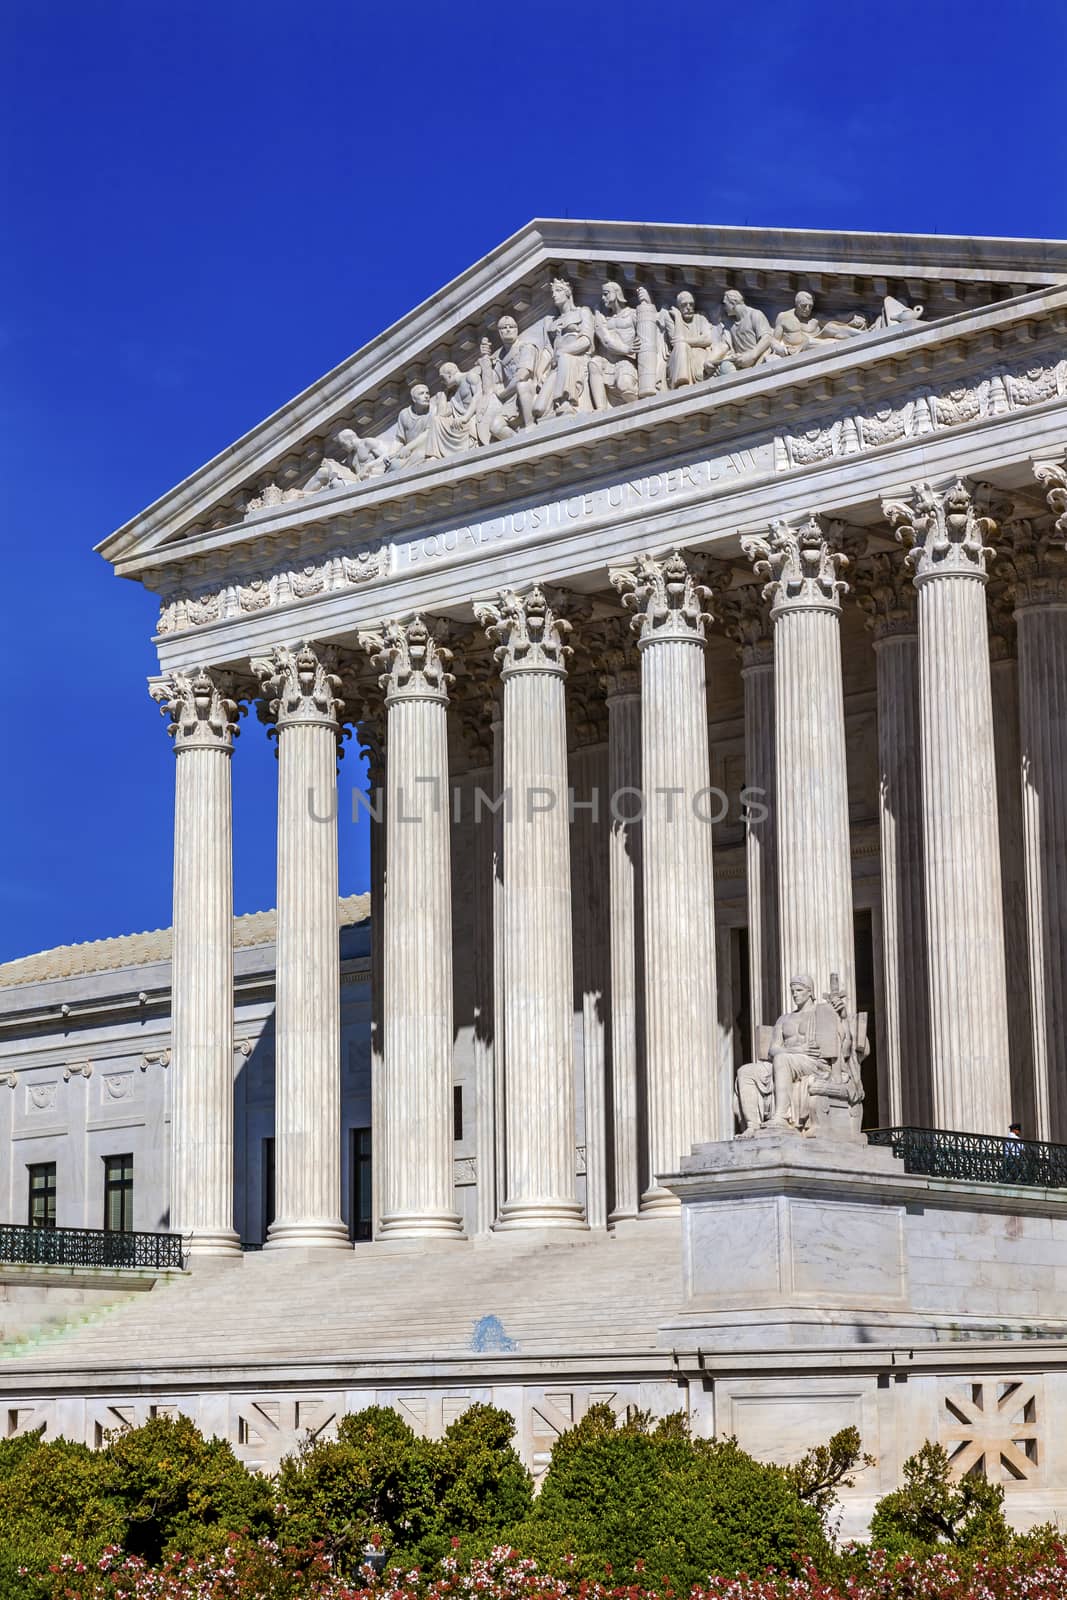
(582, 567)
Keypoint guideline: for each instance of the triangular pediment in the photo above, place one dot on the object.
(358, 430)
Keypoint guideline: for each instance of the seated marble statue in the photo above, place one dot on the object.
(810, 1080)
(508, 378)
(695, 346)
(571, 334)
(613, 370)
(751, 335)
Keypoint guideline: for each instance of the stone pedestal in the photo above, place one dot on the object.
(538, 994)
(416, 1181)
(301, 699)
(203, 724)
(965, 918)
(684, 1104)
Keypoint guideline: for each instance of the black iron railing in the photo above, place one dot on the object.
(89, 1247)
(976, 1157)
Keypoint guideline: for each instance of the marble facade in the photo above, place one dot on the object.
(656, 570)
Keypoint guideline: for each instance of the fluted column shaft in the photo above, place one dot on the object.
(907, 1014)
(1004, 686)
(811, 792)
(202, 722)
(625, 903)
(761, 838)
(538, 961)
(417, 1175)
(965, 925)
(1042, 623)
(307, 1106)
(685, 1107)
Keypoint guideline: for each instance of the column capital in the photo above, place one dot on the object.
(413, 661)
(528, 633)
(1035, 560)
(1052, 476)
(300, 685)
(942, 531)
(885, 592)
(202, 708)
(746, 618)
(666, 600)
(800, 563)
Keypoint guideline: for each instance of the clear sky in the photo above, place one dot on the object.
(209, 205)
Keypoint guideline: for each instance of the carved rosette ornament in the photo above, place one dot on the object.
(943, 532)
(666, 599)
(202, 713)
(414, 664)
(300, 685)
(528, 633)
(800, 564)
(885, 592)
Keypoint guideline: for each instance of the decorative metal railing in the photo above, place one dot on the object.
(89, 1247)
(976, 1157)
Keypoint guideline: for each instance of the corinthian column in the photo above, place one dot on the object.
(416, 1106)
(965, 919)
(301, 699)
(811, 784)
(622, 684)
(684, 1102)
(748, 622)
(1041, 614)
(537, 954)
(887, 595)
(203, 725)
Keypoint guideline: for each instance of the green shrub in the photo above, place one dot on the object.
(54, 1498)
(935, 1509)
(378, 1480)
(616, 1494)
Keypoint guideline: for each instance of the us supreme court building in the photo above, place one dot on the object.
(698, 597)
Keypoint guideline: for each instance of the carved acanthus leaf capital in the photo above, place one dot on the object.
(201, 706)
(746, 618)
(300, 685)
(885, 591)
(801, 564)
(413, 662)
(528, 633)
(667, 601)
(943, 532)
(1052, 476)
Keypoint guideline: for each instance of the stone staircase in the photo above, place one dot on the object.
(507, 1295)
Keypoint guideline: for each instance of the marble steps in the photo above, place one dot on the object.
(376, 1301)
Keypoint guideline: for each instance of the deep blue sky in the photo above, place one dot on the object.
(208, 205)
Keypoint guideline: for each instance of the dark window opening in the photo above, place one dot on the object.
(268, 1185)
(42, 1194)
(362, 1225)
(118, 1194)
(457, 1112)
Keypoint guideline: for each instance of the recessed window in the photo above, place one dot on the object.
(362, 1201)
(43, 1194)
(457, 1112)
(118, 1194)
(268, 1185)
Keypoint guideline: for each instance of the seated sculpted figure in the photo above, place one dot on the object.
(812, 1065)
(571, 334)
(613, 370)
(695, 346)
(348, 458)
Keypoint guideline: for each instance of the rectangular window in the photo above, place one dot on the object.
(43, 1194)
(457, 1112)
(268, 1185)
(362, 1212)
(118, 1194)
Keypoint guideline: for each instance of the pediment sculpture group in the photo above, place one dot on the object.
(808, 1078)
(581, 360)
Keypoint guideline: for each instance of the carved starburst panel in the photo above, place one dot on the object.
(991, 1429)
